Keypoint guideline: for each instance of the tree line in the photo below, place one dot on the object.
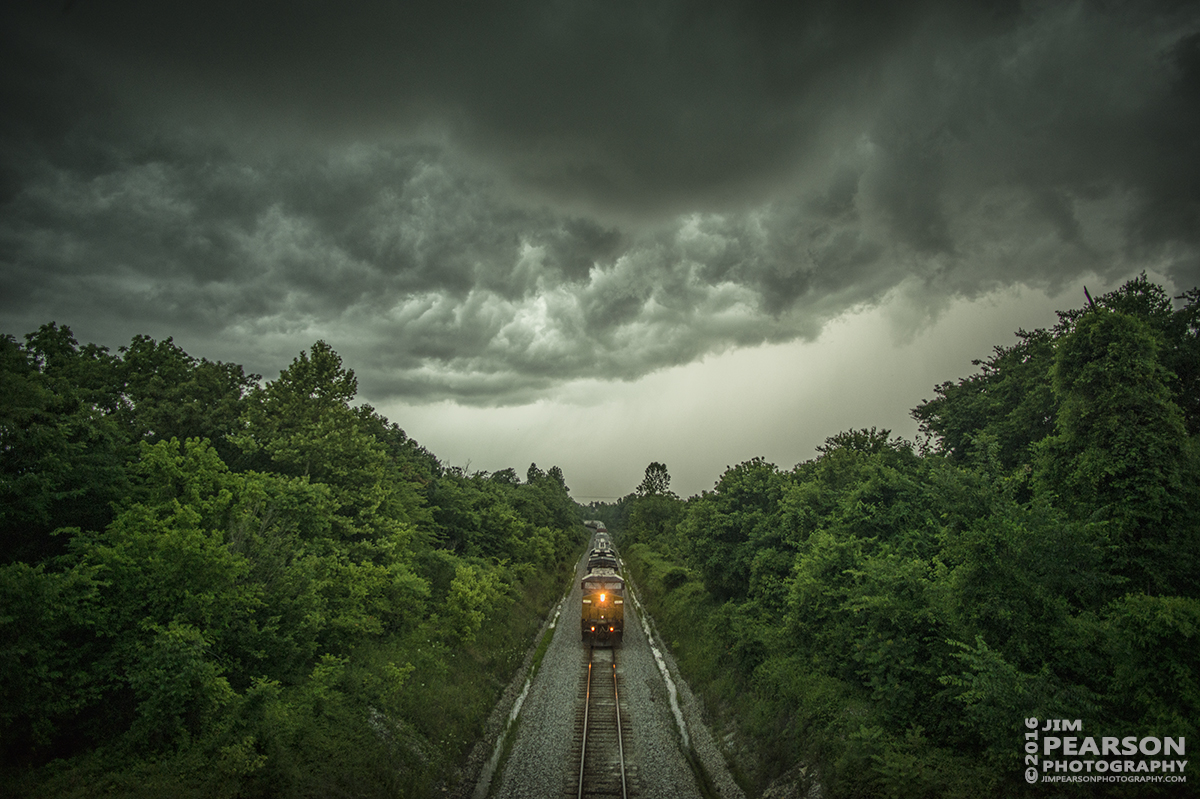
(883, 618)
(215, 585)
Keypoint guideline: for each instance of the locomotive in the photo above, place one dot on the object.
(602, 621)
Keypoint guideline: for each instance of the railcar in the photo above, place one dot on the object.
(602, 622)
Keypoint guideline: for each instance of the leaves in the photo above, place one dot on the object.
(232, 589)
(472, 593)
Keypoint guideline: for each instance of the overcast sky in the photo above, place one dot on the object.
(596, 234)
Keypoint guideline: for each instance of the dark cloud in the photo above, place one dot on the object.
(480, 201)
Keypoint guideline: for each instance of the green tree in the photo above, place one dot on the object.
(1011, 401)
(656, 482)
(63, 461)
(1154, 648)
(47, 658)
(1121, 451)
(89, 370)
(169, 394)
(726, 527)
(473, 592)
(302, 425)
(1177, 331)
(1008, 402)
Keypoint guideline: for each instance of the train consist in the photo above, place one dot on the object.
(602, 621)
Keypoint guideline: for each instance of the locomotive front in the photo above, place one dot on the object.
(603, 619)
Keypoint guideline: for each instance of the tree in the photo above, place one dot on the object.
(313, 382)
(1121, 453)
(726, 527)
(169, 394)
(63, 456)
(1177, 331)
(301, 424)
(506, 477)
(1009, 402)
(90, 371)
(656, 482)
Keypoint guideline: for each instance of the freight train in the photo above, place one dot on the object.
(602, 621)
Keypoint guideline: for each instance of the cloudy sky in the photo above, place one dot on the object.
(596, 234)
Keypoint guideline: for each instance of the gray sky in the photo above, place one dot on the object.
(596, 234)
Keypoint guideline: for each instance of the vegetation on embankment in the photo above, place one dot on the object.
(887, 616)
(210, 587)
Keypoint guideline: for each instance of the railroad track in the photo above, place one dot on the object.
(598, 734)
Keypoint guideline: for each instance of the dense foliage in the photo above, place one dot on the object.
(214, 586)
(883, 618)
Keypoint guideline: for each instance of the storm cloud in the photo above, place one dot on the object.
(482, 201)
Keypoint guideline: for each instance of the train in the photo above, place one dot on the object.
(602, 618)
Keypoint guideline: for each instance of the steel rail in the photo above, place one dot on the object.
(587, 703)
(592, 782)
(617, 707)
